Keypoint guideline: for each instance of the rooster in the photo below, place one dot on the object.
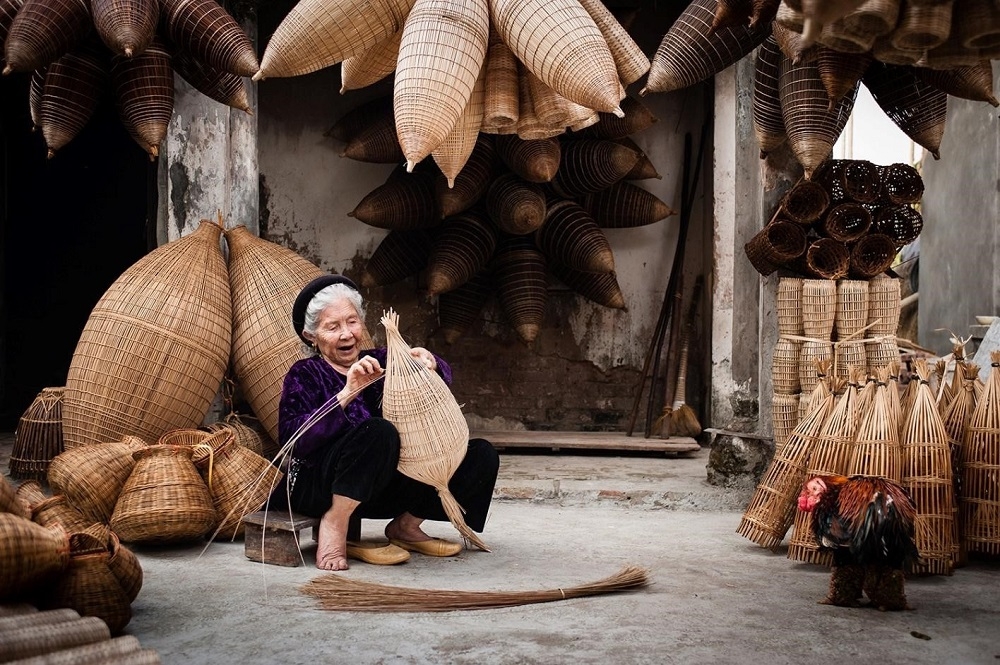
(868, 523)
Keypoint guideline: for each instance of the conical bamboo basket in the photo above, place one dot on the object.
(876, 450)
(500, 98)
(124, 566)
(919, 109)
(403, 203)
(222, 86)
(873, 17)
(630, 61)
(602, 288)
(637, 117)
(521, 287)
(464, 246)
(371, 65)
(155, 348)
(126, 28)
(92, 476)
(973, 82)
(8, 10)
(31, 554)
(644, 168)
(74, 85)
(625, 206)
(351, 123)
(551, 108)
(535, 161)
(452, 154)
(400, 254)
(38, 437)
(206, 31)
(144, 91)
(89, 587)
(981, 467)
(571, 237)
(471, 183)
(840, 72)
(460, 308)
(35, 88)
(515, 205)
(433, 434)
(768, 125)
(375, 142)
(590, 165)
(529, 126)
(44, 30)
(730, 13)
(956, 418)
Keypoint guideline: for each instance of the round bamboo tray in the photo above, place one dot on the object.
(38, 437)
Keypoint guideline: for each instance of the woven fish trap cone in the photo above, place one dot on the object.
(852, 306)
(44, 30)
(771, 509)
(570, 236)
(164, 500)
(885, 52)
(847, 356)
(819, 307)
(811, 353)
(144, 91)
(804, 203)
(125, 27)
(789, 37)
(35, 87)
(263, 278)
(173, 303)
(371, 65)
(125, 566)
(375, 142)
(433, 433)
(441, 54)
(630, 60)
(89, 587)
(690, 52)
(872, 255)
(827, 258)
(454, 152)
(768, 125)
(785, 367)
(625, 206)
(559, 42)
(463, 247)
(812, 398)
(840, 37)
(222, 86)
(784, 418)
(811, 125)
(74, 86)
(515, 205)
(951, 54)
(902, 223)
(56, 511)
(973, 82)
(551, 108)
(873, 17)
(31, 554)
(881, 353)
(763, 12)
(729, 13)
(601, 288)
(956, 417)
(472, 182)
(922, 27)
(501, 97)
(590, 165)
(637, 117)
(876, 450)
(915, 107)
(862, 180)
(92, 476)
(846, 222)
(529, 127)
(644, 169)
(38, 437)
(242, 481)
(789, 306)
(207, 31)
(43, 640)
(8, 10)
(317, 34)
(977, 24)
(9, 501)
(536, 161)
(777, 244)
(404, 203)
(901, 184)
(400, 254)
(28, 495)
(819, 15)
(884, 299)
(980, 461)
(460, 308)
(521, 286)
(352, 122)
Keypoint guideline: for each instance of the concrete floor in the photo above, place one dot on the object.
(559, 521)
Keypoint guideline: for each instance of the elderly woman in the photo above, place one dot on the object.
(344, 465)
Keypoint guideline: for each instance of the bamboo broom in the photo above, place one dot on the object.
(683, 421)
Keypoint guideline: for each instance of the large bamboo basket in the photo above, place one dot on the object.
(92, 476)
(56, 511)
(789, 306)
(31, 554)
(433, 434)
(777, 244)
(876, 450)
(630, 61)
(826, 258)
(846, 222)
(981, 468)
(89, 587)
(8, 10)
(264, 278)
(319, 33)
(460, 308)
(207, 31)
(590, 165)
(690, 52)
(500, 98)
(371, 65)
(144, 91)
(222, 86)
(375, 142)
(43, 30)
(768, 125)
(441, 55)
(872, 255)
(789, 37)
(521, 287)
(155, 348)
(974, 82)
(571, 237)
(915, 107)
(819, 307)
(852, 307)
(38, 437)
(74, 85)
(804, 203)
(515, 205)
(602, 288)
(402, 203)
(472, 181)
(637, 117)
(927, 475)
(625, 206)
(560, 43)
(400, 254)
(729, 13)
(529, 125)
(257, 441)
(551, 108)
(124, 566)
(28, 495)
(452, 154)
(464, 246)
(125, 27)
(535, 161)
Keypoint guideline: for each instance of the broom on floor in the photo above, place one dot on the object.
(678, 417)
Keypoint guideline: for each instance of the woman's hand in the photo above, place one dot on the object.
(359, 375)
(424, 356)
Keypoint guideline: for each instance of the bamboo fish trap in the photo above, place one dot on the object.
(433, 433)
(981, 467)
(39, 436)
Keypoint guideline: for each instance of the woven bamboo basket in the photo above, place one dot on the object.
(827, 258)
(901, 184)
(849, 355)
(804, 203)
(862, 180)
(852, 307)
(144, 91)
(784, 418)
(873, 17)
(771, 510)
(207, 31)
(89, 587)
(560, 43)
(173, 303)
(927, 475)
(956, 417)
(974, 82)
(915, 107)
(790, 39)
(644, 169)
(529, 126)
(811, 125)
(8, 10)
(92, 476)
(831, 454)
(38, 437)
(515, 205)
(521, 287)
(452, 154)
(601, 288)
(637, 117)
(884, 51)
(400, 254)
(591, 165)
(433, 434)
(846, 222)
(881, 353)
(830, 176)
(371, 65)
(472, 182)
(257, 441)
(977, 24)
(777, 244)
(902, 223)
(317, 34)
(351, 123)
(535, 161)
(922, 27)
(9, 501)
(400, 204)
(460, 308)
(789, 306)
(463, 248)
(375, 142)
(690, 52)
(811, 353)
(785, 367)
(840, 37)
(42, 640)
(571, 237)
(35, 87)
(812, 398)
(551, 108)
(981, 467)
(500, 99)
(819, 307)
(263, 278)
(56, 511)
(768, 125)
(31, 554)
(818, 14)
(28, 495)
(876, 450)
(630, 61)
(625, 206)
(74, 85)
(840, 71)
(125, 567)
(883, 305)
(222, 86)
(126, 28)
(164, 500)
(44, 30)
(872, 255)
(951, 54)
(730, 13)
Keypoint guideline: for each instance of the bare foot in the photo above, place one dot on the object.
(331, 549)
(406, 527)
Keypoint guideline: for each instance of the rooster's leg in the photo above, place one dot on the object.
(845, 585)
(884, 586)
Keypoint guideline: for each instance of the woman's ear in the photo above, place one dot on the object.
(311, 338)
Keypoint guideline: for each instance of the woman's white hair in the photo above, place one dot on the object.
(326, 297)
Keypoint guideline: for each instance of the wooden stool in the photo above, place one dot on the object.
(279, 544)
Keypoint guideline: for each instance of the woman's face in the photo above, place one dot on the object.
(338, 334)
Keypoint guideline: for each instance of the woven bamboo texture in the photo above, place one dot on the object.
(838, 36)
(535, 161)
(38, 437)
(846, 222)
(222, 86)
(784, 418)
(403, 203)
(777, 244)
(789, 37)
(852, 307)
(559, 42)
(56, 511)
(460, 308)
(42, 640)
(901, 184)
(872, 255)
(452, 154)
(637, 117)
(827, 258)
(370, 66)
(785, 367)
(125, 566)
(690, 53)
(881, 353)
(515, 205)
(433, 433)
(28, 494)
(884, 51)
(463, 247)
(155, 348)
(207, 31)
(789, 306)
(125, 27)
(398, 255)
(521, 287)
(956, 417)
(876, 450)
(74, 85)
(571, 237)
(981, 467)
(500, 98)
(245, 435)
(804, 203)
(921, 28)
(92, 476)
(812, 398)
(973, 82)
(768, 125)
(352, 122)
(35, 87)
(873, 17)
(30, 554)
(625, 206)
(8, 10)
(977, 24)
(915, 107)
(644, 169)
(375, 141)
(472, 182)
(144, 90)
(630, 61)
(840, 71)
(44, 30)
(263, 278)
(551, 109)
(10, 502)
(819, 307)
(590, 165)
(318, 33)
(902, 223)
(89, 587)
(242, 481)
(601, 288)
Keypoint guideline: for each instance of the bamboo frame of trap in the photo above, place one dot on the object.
(39, 436)
(956, 419)
(789, 301)
(876, 450)
(981, 467)
(784, 418)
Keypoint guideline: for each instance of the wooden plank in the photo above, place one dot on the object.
(587, 441)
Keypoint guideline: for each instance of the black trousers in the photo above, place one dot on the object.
(362, 465)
